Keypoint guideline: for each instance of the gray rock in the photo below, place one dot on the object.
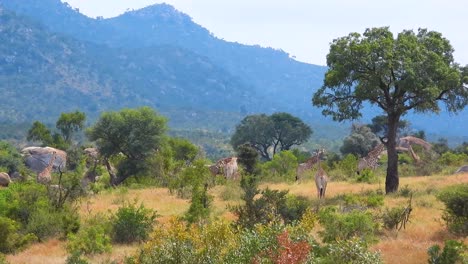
(37, 158)
(4, 179)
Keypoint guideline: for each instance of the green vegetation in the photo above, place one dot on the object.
(453, 252)
(456, 208)
(132, 223)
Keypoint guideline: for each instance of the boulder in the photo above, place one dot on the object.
(4, 179)
(37, 158)
(462, 169)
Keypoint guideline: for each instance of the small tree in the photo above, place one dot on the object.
(414, 71)
(70, 123)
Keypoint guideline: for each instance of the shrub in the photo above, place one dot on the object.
(346, 226)
(287, 251)
(452, 159)
(76, 258)
(350, 251)
(349, 165)
(454, 252)
(374, 199)
(367, 176)
(455, 199)
(282, 166)
(44, 224)
(271, 206)
(132, 223)
(12, 240)
(92, 238)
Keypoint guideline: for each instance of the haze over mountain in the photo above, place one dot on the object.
(56, 59)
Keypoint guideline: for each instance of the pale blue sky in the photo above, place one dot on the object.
(305, 28)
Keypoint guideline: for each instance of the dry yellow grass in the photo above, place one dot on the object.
(406, 246)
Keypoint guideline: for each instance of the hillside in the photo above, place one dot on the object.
(40, 67)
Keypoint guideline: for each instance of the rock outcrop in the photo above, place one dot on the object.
(37, 158)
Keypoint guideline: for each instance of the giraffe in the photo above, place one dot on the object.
(321, 179)
(226, 166)
(309, 164)
(44, 176)
(370, 161)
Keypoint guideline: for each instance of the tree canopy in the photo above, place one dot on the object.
(134, 133)
(69, 123)
(414, 71)
(274, 133)
(379, 125)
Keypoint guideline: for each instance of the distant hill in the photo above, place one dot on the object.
(158, 56)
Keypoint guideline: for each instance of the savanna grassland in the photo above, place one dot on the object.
(408, 245)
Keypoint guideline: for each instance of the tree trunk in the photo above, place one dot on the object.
(392, 180)
(114, 179)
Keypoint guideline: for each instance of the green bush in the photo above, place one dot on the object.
(374, 199)
(44, 224)
(271, 206)
(350, 251)
(345, 226)
(92, 238)
(453, 252)
(349, 165)
(455, 216)
(76, 258)
(11, 239)
(281, 167)
(367, 176)
(452, 159)
(132, 223)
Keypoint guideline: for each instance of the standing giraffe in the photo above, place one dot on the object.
(44, 176)
(371, 160)
(309, 164)
(226, 166)
(321, 179)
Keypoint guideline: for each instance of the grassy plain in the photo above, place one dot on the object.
(408, 245)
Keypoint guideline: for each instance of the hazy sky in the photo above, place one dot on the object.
(305, 28)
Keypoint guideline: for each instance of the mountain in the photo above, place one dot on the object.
(43, 74)
(270, 73)
(158, 56)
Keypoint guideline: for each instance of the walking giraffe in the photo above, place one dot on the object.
(371, 160)
(44, 176)
(321, 178)
(309, 164)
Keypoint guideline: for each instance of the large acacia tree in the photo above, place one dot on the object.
(274, 133)
(414, 71)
